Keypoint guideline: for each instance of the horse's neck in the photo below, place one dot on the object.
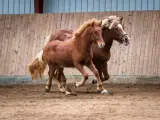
(83, 43)
(108, 40)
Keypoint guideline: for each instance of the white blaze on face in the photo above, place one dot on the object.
(120, 27)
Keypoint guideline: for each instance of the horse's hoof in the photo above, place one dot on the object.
(94, 81)
(47, 89)
(77, 84)
(70, 93)
(62, 89)
(106, 92)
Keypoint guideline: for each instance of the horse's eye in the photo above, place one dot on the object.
(116, 28)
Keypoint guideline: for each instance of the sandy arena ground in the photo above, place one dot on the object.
(129, 102)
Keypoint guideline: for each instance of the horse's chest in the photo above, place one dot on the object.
(100, 55)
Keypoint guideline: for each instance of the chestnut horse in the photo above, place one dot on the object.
(75, 52)
(112, 30)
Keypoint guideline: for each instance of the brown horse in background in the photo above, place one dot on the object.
(112, 30)
(75, 52)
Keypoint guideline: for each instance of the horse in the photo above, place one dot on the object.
(75, 52)
(111, 30)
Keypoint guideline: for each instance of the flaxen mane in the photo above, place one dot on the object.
(81, 29)
(110, 21)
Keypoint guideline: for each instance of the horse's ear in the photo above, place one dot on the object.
(100, 24)
(120, 19)
(92, 24)
(76, 34)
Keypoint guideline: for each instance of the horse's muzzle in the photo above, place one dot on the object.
(126, 41)
(101, 44)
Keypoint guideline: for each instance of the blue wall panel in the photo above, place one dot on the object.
(100, 5)
(90, 6)
(108, 5)
(156, 4)
(78, 5)
(73, 6)
(114, 5)
(84, 5)
(5, 7)
(120, 5)
(150, 4)
(132, 5)
(17, 6)
(66, 7)
(144, 4)
(96, 6)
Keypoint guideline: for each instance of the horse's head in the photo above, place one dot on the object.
(96, 34)
(114, 25)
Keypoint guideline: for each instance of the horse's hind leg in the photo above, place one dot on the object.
(51, 75)
(61, 80)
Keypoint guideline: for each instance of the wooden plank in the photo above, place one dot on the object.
(15, 38)
(5, 43)
(146, 47)
(30, 42)
(9, 56)
(140, 43)
(153, 38)
(139, 40)
(157, 47)
(25, 44)
(131, 55)
(149, 49)
(2, 28)
(21, 47)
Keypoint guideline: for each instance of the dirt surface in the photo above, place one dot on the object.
(129, 102)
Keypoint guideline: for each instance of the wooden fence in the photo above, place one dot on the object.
(23, 36)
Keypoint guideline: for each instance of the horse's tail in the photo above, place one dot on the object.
(37, 66)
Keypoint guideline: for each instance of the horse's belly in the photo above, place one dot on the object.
(64, 60)
(65, 63)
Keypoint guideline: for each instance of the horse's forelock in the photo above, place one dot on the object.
(110, 22)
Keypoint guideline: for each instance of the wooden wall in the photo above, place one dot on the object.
(23, 36)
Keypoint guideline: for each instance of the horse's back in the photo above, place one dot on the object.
(62, 35)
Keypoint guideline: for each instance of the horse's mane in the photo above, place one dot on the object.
(82, 27)
(110, 21)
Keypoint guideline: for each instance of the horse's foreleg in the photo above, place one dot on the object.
(49, 82)
(99, 82)
(105, 71)
(100, 73)
(84, 73)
